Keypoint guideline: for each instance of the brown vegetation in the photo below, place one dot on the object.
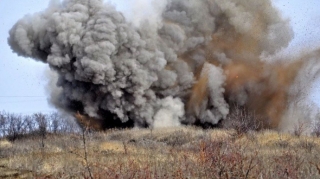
(164, 153)
(45, 149)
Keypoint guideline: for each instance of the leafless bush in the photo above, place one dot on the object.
(300, 128)
(42, 123)
(30, 123)
(3, 122)
(287, 165)
(224, 159)
(55, 122)
(14, 126)
(316, 129)
(58, 123)
(307, 145)
(242, 121)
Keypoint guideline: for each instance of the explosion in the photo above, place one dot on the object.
(188, 66)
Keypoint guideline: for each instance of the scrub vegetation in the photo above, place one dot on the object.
(181, 152)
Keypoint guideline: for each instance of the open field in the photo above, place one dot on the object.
(164, 153)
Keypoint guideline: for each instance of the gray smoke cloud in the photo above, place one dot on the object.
(175, 68)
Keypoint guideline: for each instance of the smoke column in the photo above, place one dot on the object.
(187, 65)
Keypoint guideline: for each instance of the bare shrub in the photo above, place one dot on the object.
(55, 122)
(242, 121)
(223, 159)
(300, 128)
(282, 143)
(287, 165)
(42, 123)
(62, 123)
(30, 123)
(316, 129)
(307, 145)
(3, 122)
(15, 126)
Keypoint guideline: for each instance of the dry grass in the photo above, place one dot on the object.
(164, 153)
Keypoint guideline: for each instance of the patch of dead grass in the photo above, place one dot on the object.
(185, 152)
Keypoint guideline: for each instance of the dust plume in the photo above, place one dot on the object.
(186, 65)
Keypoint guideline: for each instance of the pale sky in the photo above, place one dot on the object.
(23, 81)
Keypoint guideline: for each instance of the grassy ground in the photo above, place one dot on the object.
(165, 153)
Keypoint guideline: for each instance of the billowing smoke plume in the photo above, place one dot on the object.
(187, 66)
